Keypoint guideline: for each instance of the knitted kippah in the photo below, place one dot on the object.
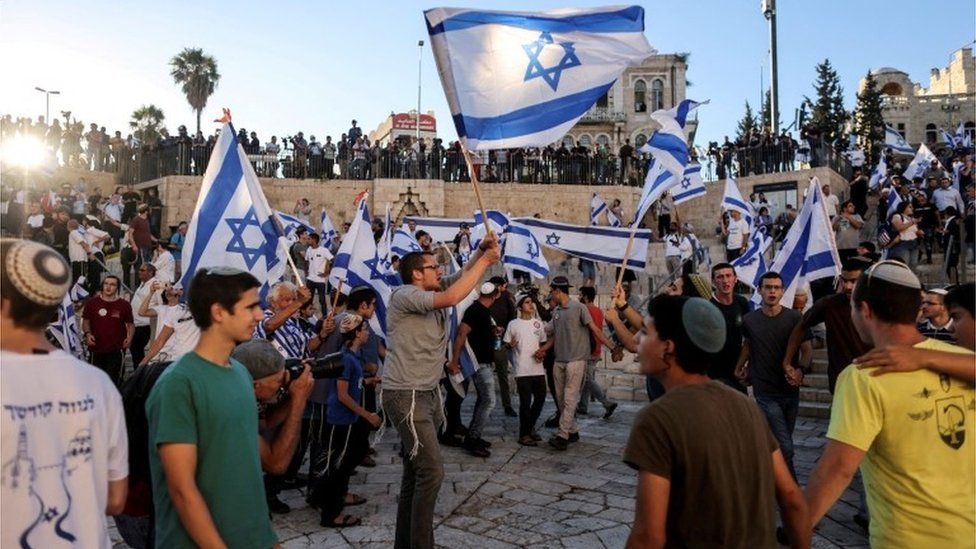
(895, 272)
(37, 272)
(704, 324)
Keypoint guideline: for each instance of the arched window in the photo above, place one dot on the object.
(639, 140)
(640, 96)
(657, 95)
(569, 141)
(931, 135)
(603, 139)
(586, 140)
(891, 88)
(970, 129)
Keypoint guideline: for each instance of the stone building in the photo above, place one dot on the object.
(624, 112)
(404, 124)
(917, 112)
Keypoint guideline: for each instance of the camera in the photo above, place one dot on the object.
(327, 367)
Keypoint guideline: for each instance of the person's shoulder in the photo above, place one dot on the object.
(944, 346)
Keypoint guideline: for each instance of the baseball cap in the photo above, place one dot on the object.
(260, 358)
(487, 288)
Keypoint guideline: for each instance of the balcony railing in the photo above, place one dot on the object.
(603, 114)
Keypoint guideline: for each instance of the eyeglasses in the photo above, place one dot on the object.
(432, 267)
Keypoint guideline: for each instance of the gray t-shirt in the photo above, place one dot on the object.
(767, 337)
(416, 339)
(571, 332)
(331, 344)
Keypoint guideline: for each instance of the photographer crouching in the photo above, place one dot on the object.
(281, 394)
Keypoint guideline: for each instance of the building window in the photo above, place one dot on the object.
(901, 129)
(891, 88)
(603, 139)
(569, 142)
(657, 95)
(970, 129)
(931, 135)
(586, 140)
(640, 96)
(604, 101)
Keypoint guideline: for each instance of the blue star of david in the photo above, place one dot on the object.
(374, 272)
(550, 75)
(748, 262)
(686, 182)
(552, 239)
(267, 247)
(532, 251)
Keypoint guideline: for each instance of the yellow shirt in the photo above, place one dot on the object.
(920, 465)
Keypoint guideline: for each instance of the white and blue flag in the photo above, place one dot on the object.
(668, 144)
(732, 200)
(657, 181)
(65, 329)
(523, 79)
(751, 265)
(597, 208)
(809, 251)
(897, 143)
(690, 186)
(959, 139)
(232, 224)
(880, 173)
(948, 138)
(522, 251)
(404, 243)
(357, 263)
(327, 230)
(467, 361)
(596, 243)
(924, 159)
(440, 229)
(894, 199)
(290, 223)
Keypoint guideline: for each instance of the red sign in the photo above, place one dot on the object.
(406, 121)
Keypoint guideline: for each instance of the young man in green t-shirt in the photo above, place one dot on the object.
(203, 424)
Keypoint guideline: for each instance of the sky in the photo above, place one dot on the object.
(289, 66)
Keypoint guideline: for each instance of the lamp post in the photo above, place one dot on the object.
(47, 102)
(769, 12)
(420, 60)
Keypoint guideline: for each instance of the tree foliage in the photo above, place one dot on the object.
(748, 124)
(868, 119)
(196, 74)
(146, 123)
(827, 111)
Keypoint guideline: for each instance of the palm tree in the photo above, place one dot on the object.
(146, 123)
(196, 72)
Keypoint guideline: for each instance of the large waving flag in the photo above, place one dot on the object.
(522, 251)
(924, 159)
(597, 208)
(880, 173)
(669, 144)
(328, 231)
(690, 186)
(358, 264)
(290, 223)
(600, 244)
(523, 79)
(809, 251)
(65, 329)
(897, 143)
(752, 264)
(657, 181)
(232, 224)
(732, 200)
(404, 243)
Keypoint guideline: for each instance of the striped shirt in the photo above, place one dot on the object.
(291, 338)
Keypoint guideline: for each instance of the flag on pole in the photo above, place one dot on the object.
(384, 248)
(523, 79)
(596, 243)
(290, 223)
(668, 144)
(880, 173)
(947, 137)
(232, 224)
(65, 329)
(690, 186)
(404, 243)
(959, 139)
(597, 207)
(468, 361)
(657, 181)
(327, 230)
(809, 251)
(522, 251)
(751, 265)
(732, 200)
(357, 263)
(924, 159)
(894, 199)
(897, 143)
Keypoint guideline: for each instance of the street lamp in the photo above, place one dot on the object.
(47, 102)
(769, 12)
(420, 60)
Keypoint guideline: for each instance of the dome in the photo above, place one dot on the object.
(886, 70)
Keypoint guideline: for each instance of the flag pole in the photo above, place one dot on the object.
(623, 264)
(335, 300)
(474, 183)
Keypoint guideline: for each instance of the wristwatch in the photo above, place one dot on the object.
(621, 308)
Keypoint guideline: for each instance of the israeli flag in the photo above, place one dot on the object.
(657, 181)
(290, 223)
(669, 144)
(497, 221)
(690, 186)
(732, 200)
(959, 139)
(328, 231)
(599, 244)
(523, 79)
(522, 251)
(65, 329)
(897, 143)
(880, 173)
(597, 207)
(894, 199)
(232, 224)
(440, 229)
(404, 243)
(924, 159)
(384, 248)
(468, 361)
(357, 263)
(751, 265)
(809, 251)
(947, 137)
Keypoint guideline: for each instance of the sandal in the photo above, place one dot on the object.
(341, 521)
(353, 499)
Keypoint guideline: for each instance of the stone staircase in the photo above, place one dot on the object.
(815, 397)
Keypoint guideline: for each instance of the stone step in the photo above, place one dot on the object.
(815, 410)
(816, 381)
(815, 395)
(819, 364)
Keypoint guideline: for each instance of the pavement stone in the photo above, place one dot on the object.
(529, 496)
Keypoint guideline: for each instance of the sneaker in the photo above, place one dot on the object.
(552, 422)
(559, 443)
(527, 440)
(536, 436)
(609, 410)
(510, 412)
(574, 437)
(482, 442)
(476, 449)
(277, 506)
(293, 483)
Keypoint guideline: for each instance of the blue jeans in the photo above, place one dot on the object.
(318, 288)
(781, 414)
(484, 385)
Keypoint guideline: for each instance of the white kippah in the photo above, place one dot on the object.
(895, 272)
(37, 272)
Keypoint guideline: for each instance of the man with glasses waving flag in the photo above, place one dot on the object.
(232, 224)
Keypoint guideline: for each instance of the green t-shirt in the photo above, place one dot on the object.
(198, 402)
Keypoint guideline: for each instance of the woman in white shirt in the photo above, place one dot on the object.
(908, 232)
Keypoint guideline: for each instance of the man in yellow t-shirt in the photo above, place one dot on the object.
(911, 433)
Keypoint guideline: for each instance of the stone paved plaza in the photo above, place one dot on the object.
(530, 497)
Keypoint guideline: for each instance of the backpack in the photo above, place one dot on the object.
(135, 390)
(888, 236)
